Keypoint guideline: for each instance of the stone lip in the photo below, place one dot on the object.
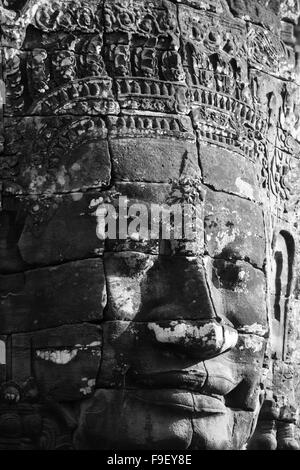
(168, 380)
(181, 399)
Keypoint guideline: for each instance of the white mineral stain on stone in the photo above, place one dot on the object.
(126, 301)
(255, 328)
(135, 236)
(224, 238)
(96, 202)
(177, 332)
(94, 344)
(253, 342)
(64, 356)
(244, 188)
(230, 339)
(210, 334)
(243, 279)
(58, 357)
(87, 346)
(88, 388)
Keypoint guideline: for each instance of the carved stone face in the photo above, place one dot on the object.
(185, 324)
(157, 344)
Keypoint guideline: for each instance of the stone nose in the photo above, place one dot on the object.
(177, 288)
(200, 339)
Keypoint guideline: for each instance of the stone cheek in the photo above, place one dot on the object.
(52, 296)
(57, 228)
(225, 171)
(234, 228)
(239, 293)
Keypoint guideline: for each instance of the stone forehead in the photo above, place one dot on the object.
(207, 83)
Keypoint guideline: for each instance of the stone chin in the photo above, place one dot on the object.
(161, 419)
(211, 405)
(176, 385)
